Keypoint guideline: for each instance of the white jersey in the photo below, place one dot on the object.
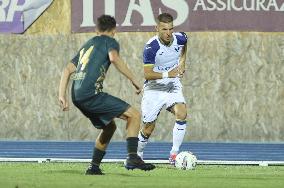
(164, 58)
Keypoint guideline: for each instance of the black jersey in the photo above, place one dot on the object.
(92, 62)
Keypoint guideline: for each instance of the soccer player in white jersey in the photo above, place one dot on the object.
(164, 64)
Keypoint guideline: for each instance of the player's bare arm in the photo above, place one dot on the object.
(121, 66)
(182, 60)
(65, 77)
(149, 74)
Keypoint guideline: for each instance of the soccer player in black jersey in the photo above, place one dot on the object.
(89, 67)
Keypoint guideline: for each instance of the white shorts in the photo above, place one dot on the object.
(153, 102)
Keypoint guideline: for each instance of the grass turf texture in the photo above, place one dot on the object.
(71, 175)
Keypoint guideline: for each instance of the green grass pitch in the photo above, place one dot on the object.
(71, 175)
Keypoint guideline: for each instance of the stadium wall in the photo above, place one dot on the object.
(234, 84)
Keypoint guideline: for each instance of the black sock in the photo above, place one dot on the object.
(132, 144)
(98, 156)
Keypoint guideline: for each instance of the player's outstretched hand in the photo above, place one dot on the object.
(137, 87)
(174, 73)
(64, 104)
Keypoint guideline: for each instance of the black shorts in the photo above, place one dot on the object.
(102, 108)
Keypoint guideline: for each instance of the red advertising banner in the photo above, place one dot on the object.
(190, 15)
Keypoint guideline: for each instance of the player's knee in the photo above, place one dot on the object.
(135, 114)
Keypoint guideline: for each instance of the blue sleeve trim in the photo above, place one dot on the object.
(150, 51)
(181, 38)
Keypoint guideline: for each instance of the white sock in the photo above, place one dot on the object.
(143, 140)
(178, 135)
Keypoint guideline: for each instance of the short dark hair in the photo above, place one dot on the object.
(106, 23)
(165, 18)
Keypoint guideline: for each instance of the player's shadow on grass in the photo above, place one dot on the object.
(121, 174)
(165, 166)
(65, 172)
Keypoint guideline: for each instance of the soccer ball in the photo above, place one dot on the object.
(185, 160)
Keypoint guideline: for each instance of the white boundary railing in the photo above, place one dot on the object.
(200, 162)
